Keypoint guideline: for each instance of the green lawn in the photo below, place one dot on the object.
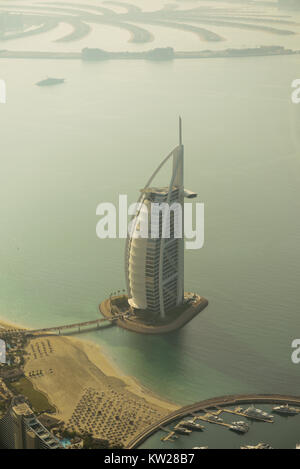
(38, 400)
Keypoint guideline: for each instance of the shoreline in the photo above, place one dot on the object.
(108, 365)
(5, 323)
(112, 369)
(77, 375)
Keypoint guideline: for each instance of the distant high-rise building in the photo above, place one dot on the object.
(20, 429)
(155, 265)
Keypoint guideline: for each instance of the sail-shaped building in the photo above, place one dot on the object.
(155, 264)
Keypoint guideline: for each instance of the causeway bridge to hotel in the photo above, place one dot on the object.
(77, 328)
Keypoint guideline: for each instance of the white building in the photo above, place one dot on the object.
(20, 429)
(155, 266)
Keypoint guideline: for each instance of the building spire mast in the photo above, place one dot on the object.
(180, 130)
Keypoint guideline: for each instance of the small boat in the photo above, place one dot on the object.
(182, 430)
(239, 427)
(214, 419)
(259, 446)
(286, 410)
(50, 82)
(191, 425)
(258, 414)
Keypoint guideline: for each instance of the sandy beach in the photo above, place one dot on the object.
(88, 391)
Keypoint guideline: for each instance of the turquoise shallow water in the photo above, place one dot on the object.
(68, 148)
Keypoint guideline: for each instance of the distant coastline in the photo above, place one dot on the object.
(159, 54)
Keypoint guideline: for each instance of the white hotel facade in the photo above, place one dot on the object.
(155, 266)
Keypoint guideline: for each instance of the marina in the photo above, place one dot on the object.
(214, 417)
(216, 412)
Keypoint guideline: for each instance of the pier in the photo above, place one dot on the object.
(207, 418)
(171, 435)
(78, 327)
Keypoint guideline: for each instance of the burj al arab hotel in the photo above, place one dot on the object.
(155, 265)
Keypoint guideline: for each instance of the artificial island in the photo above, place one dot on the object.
(156, 301)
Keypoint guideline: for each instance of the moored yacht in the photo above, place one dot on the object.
(182, 430)
(191, 425)
(286, 410)
(258, 414)
(239, 427)
(214, 419)
(259, 446)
